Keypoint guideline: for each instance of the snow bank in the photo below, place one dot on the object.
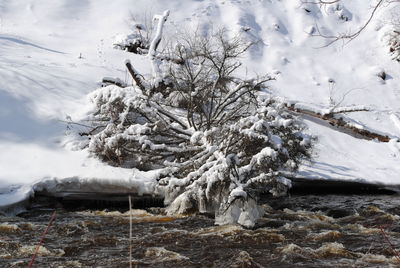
(55, 171)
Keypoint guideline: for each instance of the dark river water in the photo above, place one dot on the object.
(296, 231)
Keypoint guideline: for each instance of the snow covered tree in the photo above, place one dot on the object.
(217, 140)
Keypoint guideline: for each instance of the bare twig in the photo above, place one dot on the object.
(350, 36)
(395, 252)
(53, 217)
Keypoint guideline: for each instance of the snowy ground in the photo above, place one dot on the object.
(52, 53)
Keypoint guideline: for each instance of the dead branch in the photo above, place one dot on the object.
(135, 75)
(52, 219)
(111, 81)
(340, 122)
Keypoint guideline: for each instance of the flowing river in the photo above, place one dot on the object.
(297, 231)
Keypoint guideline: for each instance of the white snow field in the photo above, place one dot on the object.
(53, 53)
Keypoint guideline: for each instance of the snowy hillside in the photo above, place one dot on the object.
(53, 53)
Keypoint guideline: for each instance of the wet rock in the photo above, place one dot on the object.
(326, 236)
(9, 228)
(330, 250)
(72, 251)
(28, 251)
(338, 213)
(160, 254)
(268, 223)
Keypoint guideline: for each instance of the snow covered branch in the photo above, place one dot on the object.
(157, 38)
(331, 116)
(349, 109)
(135, 75)
(155, 43)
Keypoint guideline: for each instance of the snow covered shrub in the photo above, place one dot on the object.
(216, 139)
(138, 41)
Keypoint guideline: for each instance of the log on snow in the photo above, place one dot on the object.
(340, 123)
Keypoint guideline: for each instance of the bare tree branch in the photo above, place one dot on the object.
(348, 36)
(135, 75)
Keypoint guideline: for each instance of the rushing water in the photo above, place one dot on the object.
(300, 231)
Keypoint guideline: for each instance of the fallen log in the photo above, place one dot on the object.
(337, 121)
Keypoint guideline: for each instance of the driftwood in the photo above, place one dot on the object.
(340, 122)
